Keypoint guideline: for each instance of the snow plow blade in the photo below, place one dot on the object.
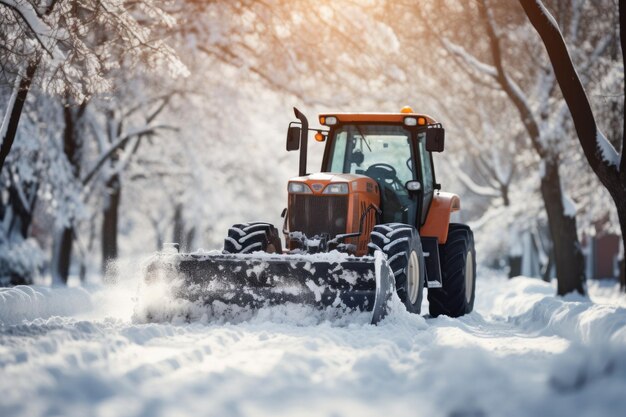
(259, 280)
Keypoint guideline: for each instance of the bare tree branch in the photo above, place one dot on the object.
(147, 130)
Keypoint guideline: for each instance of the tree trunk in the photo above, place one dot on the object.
(157, 232)
(22, 215)
(63, 255)
(72, 145)
(178, 233)
(504, 191)
(159, 240)
(622, 37)
(190, 236)
(515, 266)
(72, 141)
(621, 213)
(16, 111)
(568, 256)
(109, 222)
(547, 273)
(622, 271)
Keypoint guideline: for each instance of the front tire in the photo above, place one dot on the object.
(458, 269)
(252, 237)
(403, 247)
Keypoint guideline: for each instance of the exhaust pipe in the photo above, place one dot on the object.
(304, 136)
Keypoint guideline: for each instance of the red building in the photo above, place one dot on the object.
(602, 256)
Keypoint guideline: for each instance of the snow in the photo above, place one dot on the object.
(549, 16)
(23, 302)
(607, 151)
(394, 243)
(76, 352)
(9, 107)
(331, 256)
(569, 207)
(20, 257)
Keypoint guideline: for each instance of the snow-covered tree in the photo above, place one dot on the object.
(490, 43)
(66, 51)
(601, 155)
(55, 44)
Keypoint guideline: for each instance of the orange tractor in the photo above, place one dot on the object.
(371, 223)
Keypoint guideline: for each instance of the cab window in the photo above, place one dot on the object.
(357, 148)
(382, 152)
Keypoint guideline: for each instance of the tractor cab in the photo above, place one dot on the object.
(395, 150)
(377, 169)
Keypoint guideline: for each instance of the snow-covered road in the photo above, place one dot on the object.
(522, 352)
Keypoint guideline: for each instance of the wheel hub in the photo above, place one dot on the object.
(469, 276)
(413, 278)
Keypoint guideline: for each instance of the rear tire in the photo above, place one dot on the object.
(458, 269)
(403, 247)
(252, 237)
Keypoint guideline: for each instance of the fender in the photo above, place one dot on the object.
(438, 218)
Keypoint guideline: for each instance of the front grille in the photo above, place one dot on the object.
(316, 214)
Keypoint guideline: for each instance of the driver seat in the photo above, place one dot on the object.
(390, 204)
(392, 209)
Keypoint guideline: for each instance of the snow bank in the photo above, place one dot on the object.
(23, 302)
(606, 292)
(595, 369)
(530, 304)
(22, 259)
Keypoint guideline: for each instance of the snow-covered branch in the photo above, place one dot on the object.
(592, 140)
(10, 103)
(44, 34)
(470, 59)
(606, 150)
(513, 90)
(472, 186)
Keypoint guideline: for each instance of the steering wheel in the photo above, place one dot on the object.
(384, 172)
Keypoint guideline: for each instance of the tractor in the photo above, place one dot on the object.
(372, 222)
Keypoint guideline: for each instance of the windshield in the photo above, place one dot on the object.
(383, 153)
(357, 148)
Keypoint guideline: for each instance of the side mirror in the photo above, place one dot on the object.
(413, 186)
(435, 138)
(293, 138)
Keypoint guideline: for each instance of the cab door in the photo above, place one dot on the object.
(425, 172)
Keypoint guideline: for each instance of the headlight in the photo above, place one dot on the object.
(331, 120)
(410, 121)
(298, 188)
(340, 188)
